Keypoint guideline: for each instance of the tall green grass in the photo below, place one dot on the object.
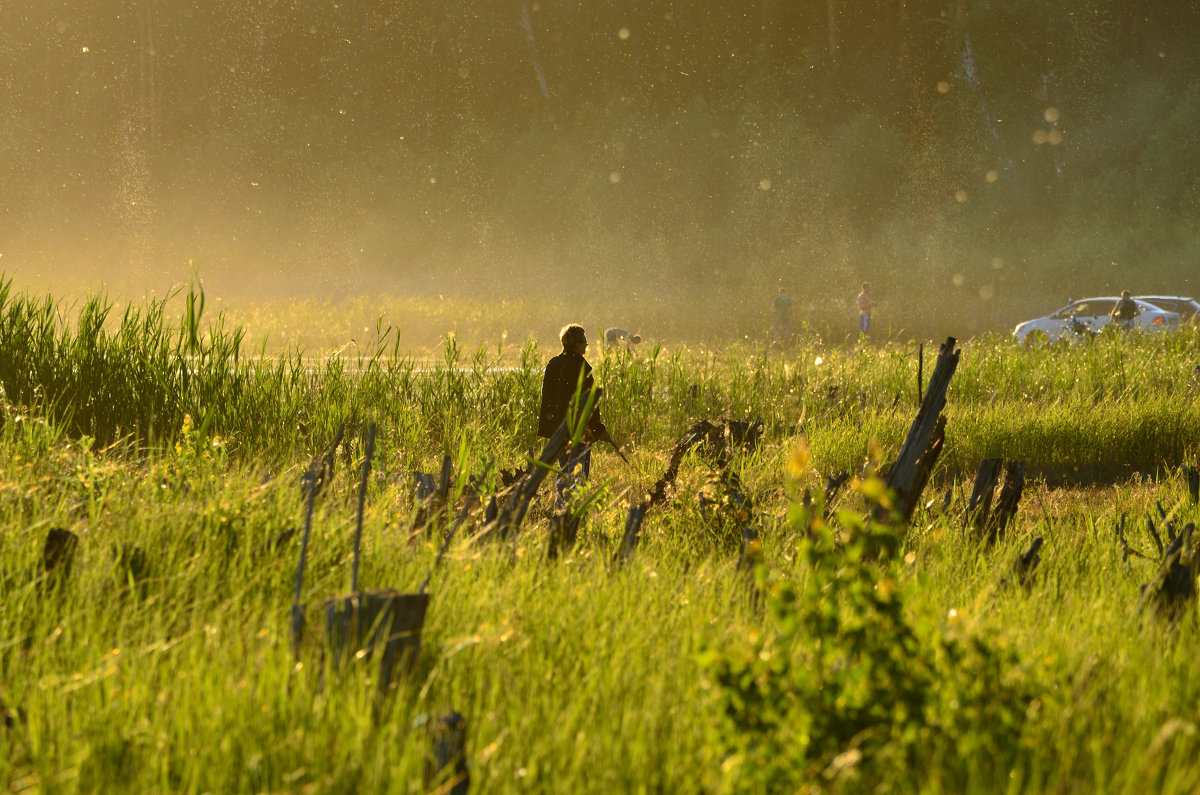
(829, 668)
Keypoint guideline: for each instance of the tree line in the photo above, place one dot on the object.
(856, 108)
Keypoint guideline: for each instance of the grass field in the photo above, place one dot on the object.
(848, 654)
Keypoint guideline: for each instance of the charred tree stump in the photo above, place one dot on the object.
(694, 435)
(564, 531)
(633, 533)
(320, 471)
(58, 556)
(980, 504)
(433, 503)
(1173, 588)
(987, 522)
(1027, 562)
(1010, 497)
(447, 770)
(910, 471)
(510, 511)
(386, 623)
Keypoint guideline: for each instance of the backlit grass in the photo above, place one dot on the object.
(172, 443)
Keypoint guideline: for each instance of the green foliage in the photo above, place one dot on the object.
(858, 656)
(841, 684)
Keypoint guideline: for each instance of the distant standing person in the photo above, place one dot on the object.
(1124, 311)
(865, 305)
(783, 316)
(613, 338)
(569, 375)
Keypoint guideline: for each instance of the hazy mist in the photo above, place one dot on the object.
(655, 165)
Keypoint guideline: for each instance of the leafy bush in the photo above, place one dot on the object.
(841, 685)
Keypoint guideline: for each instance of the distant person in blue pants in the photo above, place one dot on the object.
(865, 305)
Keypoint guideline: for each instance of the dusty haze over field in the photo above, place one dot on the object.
(453, 166)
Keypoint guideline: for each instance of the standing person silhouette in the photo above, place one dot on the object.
(566, 387)
(865, 304)
(1125, 311)
(783, 316)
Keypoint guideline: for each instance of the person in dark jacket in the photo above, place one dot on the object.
(1125, 311)
(566, 386)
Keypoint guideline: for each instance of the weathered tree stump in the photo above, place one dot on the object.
(694, 436)
(633, 533)
(1192, 476)
(987, 522)
(512, 506)
(564, 531)
(982, 493)
(447, 769)
(320, 472)
(58, 555)
(1010, 497)
(1027, 562)
(386, 623)
(910, 471)
(1173, 589)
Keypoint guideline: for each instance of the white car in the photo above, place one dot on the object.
(1187, 307)
(1088, 316)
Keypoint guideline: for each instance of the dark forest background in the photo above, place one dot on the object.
(659, 163)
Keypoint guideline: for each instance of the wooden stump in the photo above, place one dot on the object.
(633, 532)
(980, 504)
(1027, 562)
(448, 767)
(1173, 588)
(386, 622)
(1010, 497)
(989, 523)
(433, 499)
(509, 513)
(694, 436)
(58, 555)
(564, 530)
(910, 471)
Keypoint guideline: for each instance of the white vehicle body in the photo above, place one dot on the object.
(1187, 307)
(1090, 316)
